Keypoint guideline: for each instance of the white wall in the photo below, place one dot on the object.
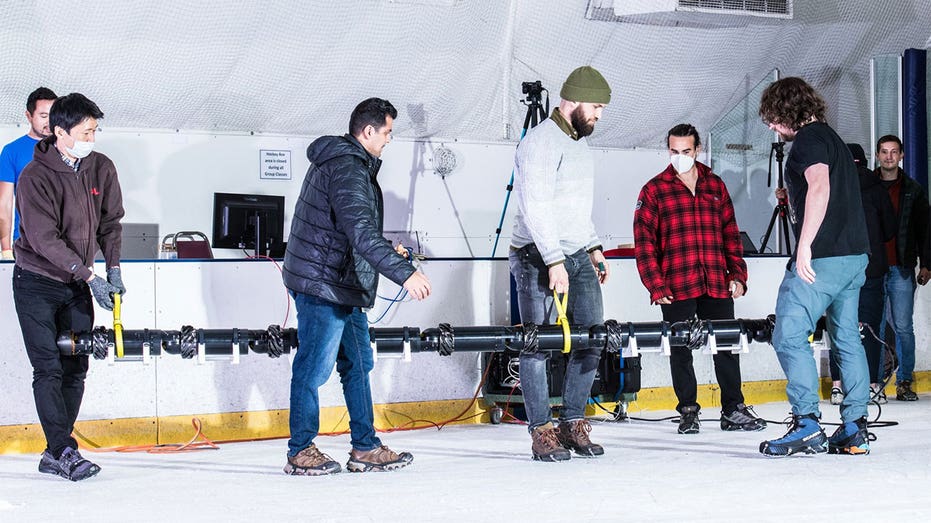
(169, 178)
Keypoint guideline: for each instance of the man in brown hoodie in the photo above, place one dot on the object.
(70, 202)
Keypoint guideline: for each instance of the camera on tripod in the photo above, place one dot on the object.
(778, 148)
(781, 211)
(533, 90)
(536, 113)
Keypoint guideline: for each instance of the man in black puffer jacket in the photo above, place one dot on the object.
(335, 252)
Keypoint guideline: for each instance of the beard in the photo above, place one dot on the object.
(582, 127)
(790, 136)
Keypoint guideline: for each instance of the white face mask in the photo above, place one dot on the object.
(681, 162)
(80, 149)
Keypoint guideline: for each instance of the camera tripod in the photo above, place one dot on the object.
(781, 210)
(536, 113)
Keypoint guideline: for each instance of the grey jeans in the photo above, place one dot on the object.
(536, 304)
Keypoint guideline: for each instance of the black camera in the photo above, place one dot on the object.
(532, 89)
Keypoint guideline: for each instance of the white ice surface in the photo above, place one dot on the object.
(484, 473)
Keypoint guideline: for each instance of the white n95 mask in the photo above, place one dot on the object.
(681, 162)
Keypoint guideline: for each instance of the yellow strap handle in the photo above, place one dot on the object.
(561, 319)
(117, 326)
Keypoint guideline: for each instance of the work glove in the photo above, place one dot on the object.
(115, 278)
(103, 291)
(8, 254)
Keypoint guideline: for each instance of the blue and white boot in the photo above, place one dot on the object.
(850, 438)
(805, 435)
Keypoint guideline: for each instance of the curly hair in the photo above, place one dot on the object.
(791, 102)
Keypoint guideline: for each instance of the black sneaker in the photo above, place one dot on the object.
(850, 438)
(743, 418)
(804, 436)
(904, 392)
(688, 420)
(71, 465)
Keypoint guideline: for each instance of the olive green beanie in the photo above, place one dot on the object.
(586, 84)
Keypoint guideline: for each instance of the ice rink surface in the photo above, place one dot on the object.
(484, 473)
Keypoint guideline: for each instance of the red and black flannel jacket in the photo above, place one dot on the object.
(687, 246)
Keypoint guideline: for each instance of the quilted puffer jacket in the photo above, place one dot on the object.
(336, 249)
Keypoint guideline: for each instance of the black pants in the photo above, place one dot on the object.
(46, 307)
(726, 363)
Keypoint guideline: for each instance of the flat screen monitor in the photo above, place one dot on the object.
(248, 221)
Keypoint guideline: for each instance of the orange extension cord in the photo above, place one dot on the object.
(165, 448)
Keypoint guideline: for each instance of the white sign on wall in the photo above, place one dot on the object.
(274, 165)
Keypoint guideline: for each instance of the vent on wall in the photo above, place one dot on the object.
(764, 8)
(774, 8)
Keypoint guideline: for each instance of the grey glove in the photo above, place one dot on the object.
(115, 278)
(103, 291)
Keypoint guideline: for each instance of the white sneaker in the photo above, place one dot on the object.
(837, 396)
(878, 395)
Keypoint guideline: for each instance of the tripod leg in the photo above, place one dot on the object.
(788, 232)
(530, 120)
(769, 230)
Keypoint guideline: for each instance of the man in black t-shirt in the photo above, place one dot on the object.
(824, 275)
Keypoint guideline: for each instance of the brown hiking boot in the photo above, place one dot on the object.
(573, 435)
(546, 446)
(904, 392)
(379, 459)
(311, 462)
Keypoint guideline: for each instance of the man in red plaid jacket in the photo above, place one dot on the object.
(690, 258)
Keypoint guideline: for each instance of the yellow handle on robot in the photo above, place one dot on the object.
(561, 319)
(117, 326)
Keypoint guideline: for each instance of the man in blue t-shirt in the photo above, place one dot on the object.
(824, 275)
(14, 157)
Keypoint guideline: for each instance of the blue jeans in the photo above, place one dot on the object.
(900, 307)
(799, 305)
(330, 334)
(585, 307)
(870, 313)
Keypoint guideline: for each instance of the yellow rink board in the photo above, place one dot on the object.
(244, 426)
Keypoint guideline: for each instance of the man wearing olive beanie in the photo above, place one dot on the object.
(554, 247)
